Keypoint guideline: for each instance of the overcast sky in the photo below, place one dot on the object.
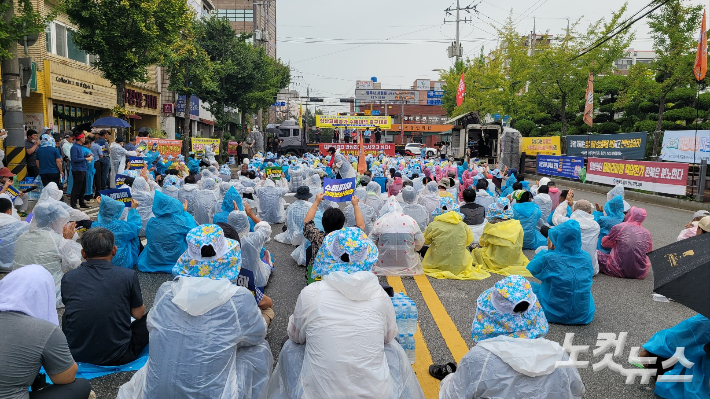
(332, 43)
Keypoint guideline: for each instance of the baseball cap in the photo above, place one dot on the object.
(5, 172)
(704, 224)
(445, 183)
(700, 214)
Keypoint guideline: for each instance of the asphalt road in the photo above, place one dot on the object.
(621, 306)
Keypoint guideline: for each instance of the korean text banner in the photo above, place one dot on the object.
(135, 163)
(273, 172)
(119, 194)
(354, 149)
(338, 190)
(660, 177)
(199, 143)
(232, 147)
(165, 147)
(686, 146)
(622, 145)
(568, 167)
(384, 122)
(542, 145)
(120, 180)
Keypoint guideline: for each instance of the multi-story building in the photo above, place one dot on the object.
(68, 91)
(251, 16)
(633, 57)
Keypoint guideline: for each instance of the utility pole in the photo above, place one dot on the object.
(456, 50)
(12, 108)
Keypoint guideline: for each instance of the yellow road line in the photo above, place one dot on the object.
(448, 329)
(429, 384)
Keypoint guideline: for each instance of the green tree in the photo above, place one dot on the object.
(127, 36)
(25, 22)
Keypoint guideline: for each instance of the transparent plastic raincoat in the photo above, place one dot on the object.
(295, 214)
(11, 228)
(528, 214)
(342, 166)
(171, 187)
(298, 177)
(205, 201)
(484, 198)
(315, 185)
(613, 215)
(398, 238)
(416, 211)
(429, 197)
(367, 212)
(590, 235)
(166, 234)
(52, 192)
(43, 244)
(501, 249)
(125, 233)
(630, 243)
(565, 274)
(693, 334)
(271, 201)
(544, 202)
(230, 197)
(188, 193)
(341, 343)
(374, 196)
(210, 346)
(252, 243)
(143, 193)
(117, 156)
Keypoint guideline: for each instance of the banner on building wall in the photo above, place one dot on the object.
(338, 190)
(119, 194)
(622, 145)
(199, 143)
(660, 177)
(569, 167)
(354, 149)
(686, 146)
(165, 146)
(542, 145)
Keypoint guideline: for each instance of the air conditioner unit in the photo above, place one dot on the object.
(257, 34)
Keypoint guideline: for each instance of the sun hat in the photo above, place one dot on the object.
(226, 262)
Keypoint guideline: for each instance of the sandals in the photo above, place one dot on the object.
(439, 371)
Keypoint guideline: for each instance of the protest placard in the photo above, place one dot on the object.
(338, 190)
(273, 173)
(136, 163)
(12, 192)
(120, 180)
(119, 194)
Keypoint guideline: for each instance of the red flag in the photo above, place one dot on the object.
(588, 117)
(461, 91)
(701, 57)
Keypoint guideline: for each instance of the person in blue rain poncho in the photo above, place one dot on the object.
(166, 234)
(193, 164)
(693, 334)
(152, 155)
(231, 197)
(508, 189)
(124, 232)
(613, 214)
(528, 213)
(565, 272)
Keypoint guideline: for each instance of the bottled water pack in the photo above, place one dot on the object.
(406, 313)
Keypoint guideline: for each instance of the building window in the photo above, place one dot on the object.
(65, 116)
(60, 41)
(236, 15)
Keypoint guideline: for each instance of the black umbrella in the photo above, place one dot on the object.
(144, 130)
(84, 127)
(681, 271)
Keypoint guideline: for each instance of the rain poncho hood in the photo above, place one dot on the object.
(230, 197)
(565, 274)
(29, 290)
(500, 209)
(590, 235)
(529, 214)
(501, 249)
(125, 233)
(362, 253)
(11, 228)
(398, 238)
(613, 215)
(630, 243)
(429, 197)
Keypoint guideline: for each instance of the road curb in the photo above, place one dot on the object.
(628, 194)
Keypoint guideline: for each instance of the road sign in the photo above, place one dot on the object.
(434, 102)
(496, 117)
(368, 112)
(279, 104)
(376, 113)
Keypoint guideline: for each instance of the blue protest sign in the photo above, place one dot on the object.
(560, 166)
(12, 192)
(338, 190)
(120, 180)
(135, 163)
(119, 194)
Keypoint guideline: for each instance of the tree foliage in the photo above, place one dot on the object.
(26, 21)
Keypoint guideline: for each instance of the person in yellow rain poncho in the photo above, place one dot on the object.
(447, 237)
(501, 244)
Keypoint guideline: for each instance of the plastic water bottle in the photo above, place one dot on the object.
(410, 349)
(401, 318)
(412, 318)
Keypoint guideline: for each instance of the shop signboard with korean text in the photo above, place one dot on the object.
(181, 103)
(354, 149)
(328, 121)
(660, 177)
(392, 96)
(199, 143)
(622, 145)
(541, 145)
(364, 84)
(552, 165)
(686, 146)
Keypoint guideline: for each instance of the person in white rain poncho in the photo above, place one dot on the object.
(11, 228)
(314, 184)
(252, 243)
(398, 238)
(271, 200)
(341, 334)
(117, 156)
(188, 192)
(206, 332)
(368, 213)
(544, 202)
(205, 201)
(171, 186)
(297, 174)
(416, 211)
(341, 166)
(295, 214)
(510, 360)
(51, 192)
(142, 192)
(374, 196)
(583, 214)
(49, 243)
(429, 197)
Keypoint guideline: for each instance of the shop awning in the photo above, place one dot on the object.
(446, 133)
(131, 116)
(207, 122)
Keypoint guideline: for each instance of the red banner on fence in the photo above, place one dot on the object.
(354, 149)
(660, 177)
(165, 147)
(232, 147)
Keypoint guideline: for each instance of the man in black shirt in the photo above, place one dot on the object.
(99, 300)
(378, 135)
(473, 214)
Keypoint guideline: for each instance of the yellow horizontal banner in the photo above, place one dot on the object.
(199, 143)
(542, 145)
